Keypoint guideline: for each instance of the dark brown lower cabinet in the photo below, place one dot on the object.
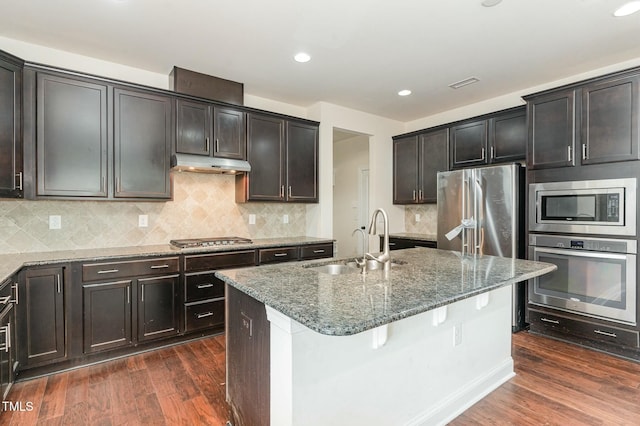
(157, 308)
(107, 315)
(7, 349)
(248, 344)
(40, 316)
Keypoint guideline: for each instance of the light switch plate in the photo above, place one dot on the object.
(143, 220)
(285, 218)
(252, 219)
(417, 217)
(55, 221)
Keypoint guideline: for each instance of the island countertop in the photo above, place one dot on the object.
(347, 304)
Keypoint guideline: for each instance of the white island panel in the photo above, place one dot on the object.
(419, 376)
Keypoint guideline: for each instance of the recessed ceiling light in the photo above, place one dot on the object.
(465, 82)
(302, 57)
(490, 3)
(627, 9)
(405, 92)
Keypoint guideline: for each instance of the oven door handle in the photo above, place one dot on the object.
(581, 253)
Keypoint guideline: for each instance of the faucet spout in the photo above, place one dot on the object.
(384, 257)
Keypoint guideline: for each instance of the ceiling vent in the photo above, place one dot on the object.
(465, 82)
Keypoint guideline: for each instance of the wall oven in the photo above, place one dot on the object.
(604, 207)
(595, 276)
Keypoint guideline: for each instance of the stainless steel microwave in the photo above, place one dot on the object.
(600, 207)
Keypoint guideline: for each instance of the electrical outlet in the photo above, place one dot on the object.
(252, 219)
(285, 218)
(417, 217)
(246, 324)
(143, 220)
(55, 221)
(457, 335)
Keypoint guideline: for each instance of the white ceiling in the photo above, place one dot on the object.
(363, 51)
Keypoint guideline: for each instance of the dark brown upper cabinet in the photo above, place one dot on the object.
(493, 138)
(416, 162)
(590, 122)
(71, 137)
(142, 144)
(88, 138)
(11, 165)
(211, 130)
(284, 161)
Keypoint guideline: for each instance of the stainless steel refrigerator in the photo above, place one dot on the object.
(481, 212)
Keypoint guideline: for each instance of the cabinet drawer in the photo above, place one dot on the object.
(202, 286)
(110, 270)
(284, 254)
(207, 262)
(204, 315)
(541, 321)
(316, 251)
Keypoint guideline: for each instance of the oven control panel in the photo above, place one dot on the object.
(578, 243)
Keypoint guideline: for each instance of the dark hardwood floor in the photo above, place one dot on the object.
(556, 384)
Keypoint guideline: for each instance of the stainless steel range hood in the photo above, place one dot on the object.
(204, 164)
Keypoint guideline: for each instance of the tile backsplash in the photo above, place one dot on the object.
(203, 206)
(428, 223)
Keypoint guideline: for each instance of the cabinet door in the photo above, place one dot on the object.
(228, 133)
(142, 140)
(302, 162)
(107, 315)
(551, 130)
(7, 331)
(610, 121)
(405, 170)
(194, 127)
(40, 316)
(508, 137)
(11, 171)
(265, 153)
(157, 307)
(468, 144)
(71, 137)
(433, 158)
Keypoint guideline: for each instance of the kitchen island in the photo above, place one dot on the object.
(416, 345)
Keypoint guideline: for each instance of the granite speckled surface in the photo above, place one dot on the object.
(415, 236)
(11, 263)
(352, 303)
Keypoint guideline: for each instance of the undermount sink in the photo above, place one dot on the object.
(350, 267)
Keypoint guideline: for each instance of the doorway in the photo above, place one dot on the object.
(350, 191)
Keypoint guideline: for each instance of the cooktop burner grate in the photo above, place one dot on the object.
(207, 242)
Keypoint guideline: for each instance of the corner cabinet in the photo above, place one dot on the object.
(591, 122)
(11, 165)
(283, 154)
(86, 138)
(490, 139)
(210, 130)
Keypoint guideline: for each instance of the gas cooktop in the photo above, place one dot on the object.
(208, 242)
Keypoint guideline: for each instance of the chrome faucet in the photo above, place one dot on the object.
(384, 257)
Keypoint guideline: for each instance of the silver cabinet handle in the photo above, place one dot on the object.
(414, 195)
(493, 152)
(19, 176)
(8, 344)
(108, 271)
(128, 295)
(319, 251)
(392, 244)
(280, 254)
(208, 285)
(549, 320)
(584, 151)
(483, 153)
(569, 153)
(289, 192)
(142, 293)
(15, 286)
(5, 331)
(217, 145)
(206, 314)
(206, 144)
(282, 191)
(159, 266)
(420, 195)
(58, 283)
(606, 333)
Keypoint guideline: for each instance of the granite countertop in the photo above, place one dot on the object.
(415, 236)
(11, 263)
(352, 303)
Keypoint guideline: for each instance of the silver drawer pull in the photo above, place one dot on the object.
(549, 320)
(159, 266)
(15, 286)
(606, 333)
(207, 314)
(280, 254)
(318, 251)
(5, 300)
(108, 271)
(204, 285)
(392, 244)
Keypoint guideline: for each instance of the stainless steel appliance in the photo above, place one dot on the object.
(481, 211)
(603, 207)
(208, 242)
(595, 276)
